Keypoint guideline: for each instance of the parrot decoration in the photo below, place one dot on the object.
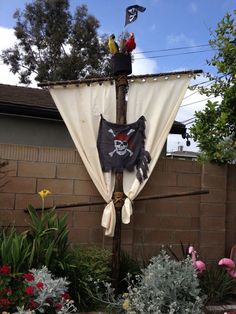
(130, 43)
(122, 42)
(127, 45)
(112, 45)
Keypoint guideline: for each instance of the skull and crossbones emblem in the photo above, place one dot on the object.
(121, 146)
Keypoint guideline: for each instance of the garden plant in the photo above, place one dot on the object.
(44, 249)
(41, 272)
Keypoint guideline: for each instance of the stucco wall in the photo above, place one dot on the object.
(207, 220)
(34, 131)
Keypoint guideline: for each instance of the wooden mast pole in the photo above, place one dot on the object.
(118, 195)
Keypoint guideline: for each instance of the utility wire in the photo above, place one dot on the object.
(172, 55)
(195, 102)
(195, 85)
(187, 120)
(209, 83)
(190, 122)
(171, 49)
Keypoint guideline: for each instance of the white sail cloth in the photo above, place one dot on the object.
(158, 100)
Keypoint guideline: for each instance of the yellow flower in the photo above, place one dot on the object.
(44, 193)
(126, 304)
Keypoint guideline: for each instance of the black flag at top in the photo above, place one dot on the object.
(132, 13)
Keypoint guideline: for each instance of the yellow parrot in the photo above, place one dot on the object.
(113, 47)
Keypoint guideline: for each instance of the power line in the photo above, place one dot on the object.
(209, 83)
(172, 55)
(184, 122)
(171, 49)
(190, 121)
(195, 85)
(195, 102)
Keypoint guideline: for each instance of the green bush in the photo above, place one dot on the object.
(91, 265)
(48, 239)
(217, 285)
(46, 243)
(165, 286)
(14, 249)
(129, 266)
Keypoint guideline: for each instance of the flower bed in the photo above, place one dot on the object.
(36, 291)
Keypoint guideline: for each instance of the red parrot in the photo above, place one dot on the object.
(130, 43)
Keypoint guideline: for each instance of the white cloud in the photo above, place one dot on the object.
(180, 40)
(7, 40)
(153, 27)
(154, 2)
(193, 101)
(7, 37)
(143, 66)
(193, 7)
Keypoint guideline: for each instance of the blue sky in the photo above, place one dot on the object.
(165, 25)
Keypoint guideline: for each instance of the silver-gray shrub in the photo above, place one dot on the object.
(165, 286)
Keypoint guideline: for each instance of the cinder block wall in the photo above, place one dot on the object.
(205, 220)
(231, 208)
(169, 221)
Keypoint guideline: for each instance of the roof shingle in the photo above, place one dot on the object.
(26, 96)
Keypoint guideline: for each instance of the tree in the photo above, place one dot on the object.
(53, 45)
(215, 127)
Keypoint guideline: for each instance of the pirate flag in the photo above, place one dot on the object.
(132, 13)
(121, 146)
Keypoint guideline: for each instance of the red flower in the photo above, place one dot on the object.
(29, 290)
(5, 269)
(4, 301)
(65, 296)
(6, 291)
(39, 285)
(32, 304)
(28, 277)
(58, 306)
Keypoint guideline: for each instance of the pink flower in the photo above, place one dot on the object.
(5, 269)
(28, 277)
(39, 285)
(29, 290)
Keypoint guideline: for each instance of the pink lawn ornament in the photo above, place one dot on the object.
(229, 265)
(199, 265)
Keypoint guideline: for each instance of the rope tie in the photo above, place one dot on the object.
(118, 198)
(122, 80)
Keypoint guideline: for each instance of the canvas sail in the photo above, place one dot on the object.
(81, 106)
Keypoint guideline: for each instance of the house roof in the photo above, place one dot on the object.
(27, 101)
(26, 96)
(183, 154)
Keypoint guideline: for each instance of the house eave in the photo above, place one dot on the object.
(31, 111)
